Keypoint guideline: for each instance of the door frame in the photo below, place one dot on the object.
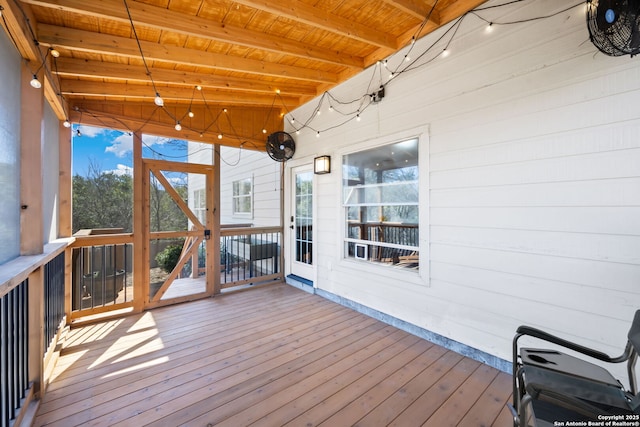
(310, 272)
(197, 236)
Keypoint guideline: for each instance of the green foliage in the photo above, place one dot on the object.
(103, 201)
(168, 258)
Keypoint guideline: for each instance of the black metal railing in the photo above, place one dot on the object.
(101, 275)
(14, 351)
(53, 298)
(249, 255)
(383, 242)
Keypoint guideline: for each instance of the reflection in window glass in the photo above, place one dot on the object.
(242, 197)
(380, 199)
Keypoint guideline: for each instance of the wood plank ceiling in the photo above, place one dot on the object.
(253, 59)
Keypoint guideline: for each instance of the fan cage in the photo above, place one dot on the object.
(280, 146)
(621, 37)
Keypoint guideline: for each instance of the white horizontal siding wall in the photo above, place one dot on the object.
(533, 197)
(241, 164)
(237, 164)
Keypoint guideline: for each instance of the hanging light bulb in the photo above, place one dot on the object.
(78, 133)
(358, 117)
(413, 40)
(293, 120)
(224, 109)
(158, 100)
(330, 108)
(178, 126)
(199, 87)
(489, 28)
(54, 52)
(191, 114)
(445, 52)
(66, 123)
(219, 136)
(407, 58)
(318, 134)
(35, 83)
(264, 131)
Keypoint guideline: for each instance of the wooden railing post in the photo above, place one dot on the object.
(36, 331)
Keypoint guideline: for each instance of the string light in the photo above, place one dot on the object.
(66, 123)
(35, 83)
(219, 136)
(78, 133)
(393, 74)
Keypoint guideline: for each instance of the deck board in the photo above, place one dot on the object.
(268, 356)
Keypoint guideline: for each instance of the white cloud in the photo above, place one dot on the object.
(121, 170)
(90, 131)
(151, 140)
(121, 146)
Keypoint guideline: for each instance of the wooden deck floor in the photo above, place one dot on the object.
(268, 356)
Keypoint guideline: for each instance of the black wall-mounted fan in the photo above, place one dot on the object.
(280, 146)
(614, 26)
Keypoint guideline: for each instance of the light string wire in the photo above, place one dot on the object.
(405, 67)
(351, 109)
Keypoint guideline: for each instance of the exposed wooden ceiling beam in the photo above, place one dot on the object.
(235, 128)
(417, 8)
(184, 94)
(107, 44)
(164, 19)
(17, 25)
(302, 12)
(110, 70)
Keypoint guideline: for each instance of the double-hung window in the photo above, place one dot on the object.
(380, 201)
(243, 197)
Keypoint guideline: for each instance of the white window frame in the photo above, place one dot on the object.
(350, 264)
(375, 246)
(200, 204)
(234, 197)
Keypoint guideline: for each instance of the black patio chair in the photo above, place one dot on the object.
(550, 386)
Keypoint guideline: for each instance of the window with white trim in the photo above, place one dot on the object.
(200, 205)
(380, 201)
(243, 197)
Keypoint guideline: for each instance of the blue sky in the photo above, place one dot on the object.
(111, 150)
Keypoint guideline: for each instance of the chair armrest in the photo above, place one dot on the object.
(537, 333)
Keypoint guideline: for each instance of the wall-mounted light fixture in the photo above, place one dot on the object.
(322, 164)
